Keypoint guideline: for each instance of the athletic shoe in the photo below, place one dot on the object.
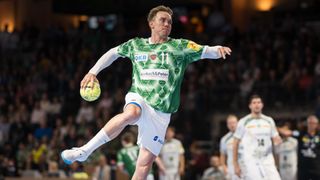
(75, 154)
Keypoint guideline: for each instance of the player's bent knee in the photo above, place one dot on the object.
(132, 111)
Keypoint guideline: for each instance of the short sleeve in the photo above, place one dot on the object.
(240, 130)
(125, 49)
(192, 51)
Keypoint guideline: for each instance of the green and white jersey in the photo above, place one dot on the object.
(170, 155)
(158, 69)
(226, 147)
(256, 137)
(288, 158)
(128, 158)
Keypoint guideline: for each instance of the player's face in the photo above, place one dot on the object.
(256, 105)
(170, 134)
(214, 161)
(312, 124)
(232, 123)
(161, 24)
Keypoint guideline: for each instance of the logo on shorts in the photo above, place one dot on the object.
(157, 139)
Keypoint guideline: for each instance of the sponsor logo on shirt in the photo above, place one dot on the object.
(140, 57)
(154, 74)
(157, 139)
(153, 56)
(194, 46)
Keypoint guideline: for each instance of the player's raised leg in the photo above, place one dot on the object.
(144, 163)
(111, 130)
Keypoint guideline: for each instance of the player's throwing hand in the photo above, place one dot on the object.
(88, 79)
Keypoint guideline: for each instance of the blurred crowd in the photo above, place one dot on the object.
(41, 111)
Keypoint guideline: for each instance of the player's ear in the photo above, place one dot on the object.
(151, 24)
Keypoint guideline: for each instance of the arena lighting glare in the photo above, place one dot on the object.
(9, 23)
(264, 5)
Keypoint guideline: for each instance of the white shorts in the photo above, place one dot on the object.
(150, 177)
(169, 176)
(152, 124)
(254, 170)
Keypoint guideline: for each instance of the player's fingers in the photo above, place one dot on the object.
(222, 53)
(84, 81)
(228, 50)
(91, 83)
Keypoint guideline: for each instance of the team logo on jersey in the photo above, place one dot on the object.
(153, 56)
(141, 57)
(194, 46)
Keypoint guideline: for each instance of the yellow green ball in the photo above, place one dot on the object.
(90, 93)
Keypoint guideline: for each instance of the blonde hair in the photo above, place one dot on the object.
(153, 12)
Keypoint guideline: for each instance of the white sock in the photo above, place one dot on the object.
(99, 139)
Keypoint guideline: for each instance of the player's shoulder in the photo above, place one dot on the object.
(176, 141)
(267, 118)
(226, 137)
(180, 41)
(122, 151)
(245, 119)
(293, 140)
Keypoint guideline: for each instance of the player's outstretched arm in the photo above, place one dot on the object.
(285, 131)
(216, 52)
(104, 61)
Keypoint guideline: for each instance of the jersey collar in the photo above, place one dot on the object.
(149, 40)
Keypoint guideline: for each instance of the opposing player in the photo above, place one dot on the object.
(257, 133)
(172, 156)
(287, 156)
(158, 65)
(226, 148)
(308, 148)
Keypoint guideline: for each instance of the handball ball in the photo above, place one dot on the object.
(90, 93)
